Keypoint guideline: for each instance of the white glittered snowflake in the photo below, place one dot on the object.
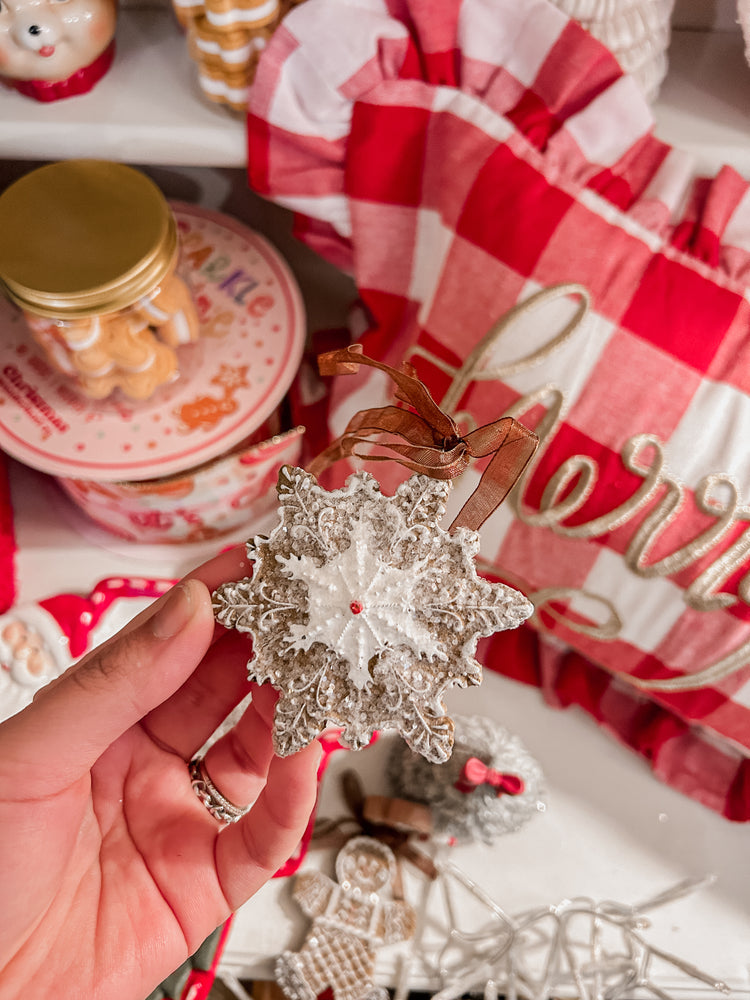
(363, 611)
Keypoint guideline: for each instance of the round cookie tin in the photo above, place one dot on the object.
(231, 379)
(213, 500)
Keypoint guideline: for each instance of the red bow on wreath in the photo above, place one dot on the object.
(475, 773)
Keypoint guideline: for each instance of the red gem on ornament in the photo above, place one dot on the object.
(356, 607)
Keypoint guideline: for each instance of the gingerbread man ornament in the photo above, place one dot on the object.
(350, 922)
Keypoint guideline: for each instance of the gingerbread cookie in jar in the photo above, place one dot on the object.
(50, 49)
(90, 253)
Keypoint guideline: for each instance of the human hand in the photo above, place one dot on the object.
(112, 870)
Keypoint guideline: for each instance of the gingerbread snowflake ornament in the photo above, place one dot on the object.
(363, 611)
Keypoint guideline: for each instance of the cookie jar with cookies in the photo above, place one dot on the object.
(147, 349)
(92, 260)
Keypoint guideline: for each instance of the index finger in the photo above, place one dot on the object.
(232, 564)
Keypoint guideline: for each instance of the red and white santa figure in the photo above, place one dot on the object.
(39, 641)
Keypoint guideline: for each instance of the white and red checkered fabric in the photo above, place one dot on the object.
(471, 160)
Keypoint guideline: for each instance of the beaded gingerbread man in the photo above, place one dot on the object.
(350, 921)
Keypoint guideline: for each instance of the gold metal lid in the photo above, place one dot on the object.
(82, 237)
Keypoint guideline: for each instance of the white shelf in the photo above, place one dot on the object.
(704, 104)
(59, 551)
(148, 109)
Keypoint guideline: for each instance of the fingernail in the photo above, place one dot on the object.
(175, 613)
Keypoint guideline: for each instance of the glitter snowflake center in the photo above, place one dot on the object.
(359, 605)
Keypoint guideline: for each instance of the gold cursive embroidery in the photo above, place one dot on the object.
(473, 371)
(727, 665)
(650, 510)
(609, 628)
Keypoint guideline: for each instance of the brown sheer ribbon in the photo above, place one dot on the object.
(426, 440)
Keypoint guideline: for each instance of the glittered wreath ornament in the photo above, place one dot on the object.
(491, 786)
(362, 610)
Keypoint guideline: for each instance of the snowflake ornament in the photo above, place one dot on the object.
(363, 611)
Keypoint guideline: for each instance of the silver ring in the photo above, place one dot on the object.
(219, 807)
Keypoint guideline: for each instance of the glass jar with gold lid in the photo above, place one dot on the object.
(90, 253)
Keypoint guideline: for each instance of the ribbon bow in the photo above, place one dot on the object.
(475, 773)
(426, 440)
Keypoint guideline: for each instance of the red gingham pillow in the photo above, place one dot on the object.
(490, 177)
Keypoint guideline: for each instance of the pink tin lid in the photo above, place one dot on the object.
(231, 379)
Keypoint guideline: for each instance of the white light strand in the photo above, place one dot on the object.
(593, 950)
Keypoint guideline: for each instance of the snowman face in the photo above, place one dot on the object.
(52, 39)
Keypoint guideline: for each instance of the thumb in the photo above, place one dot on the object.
(71, 722)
